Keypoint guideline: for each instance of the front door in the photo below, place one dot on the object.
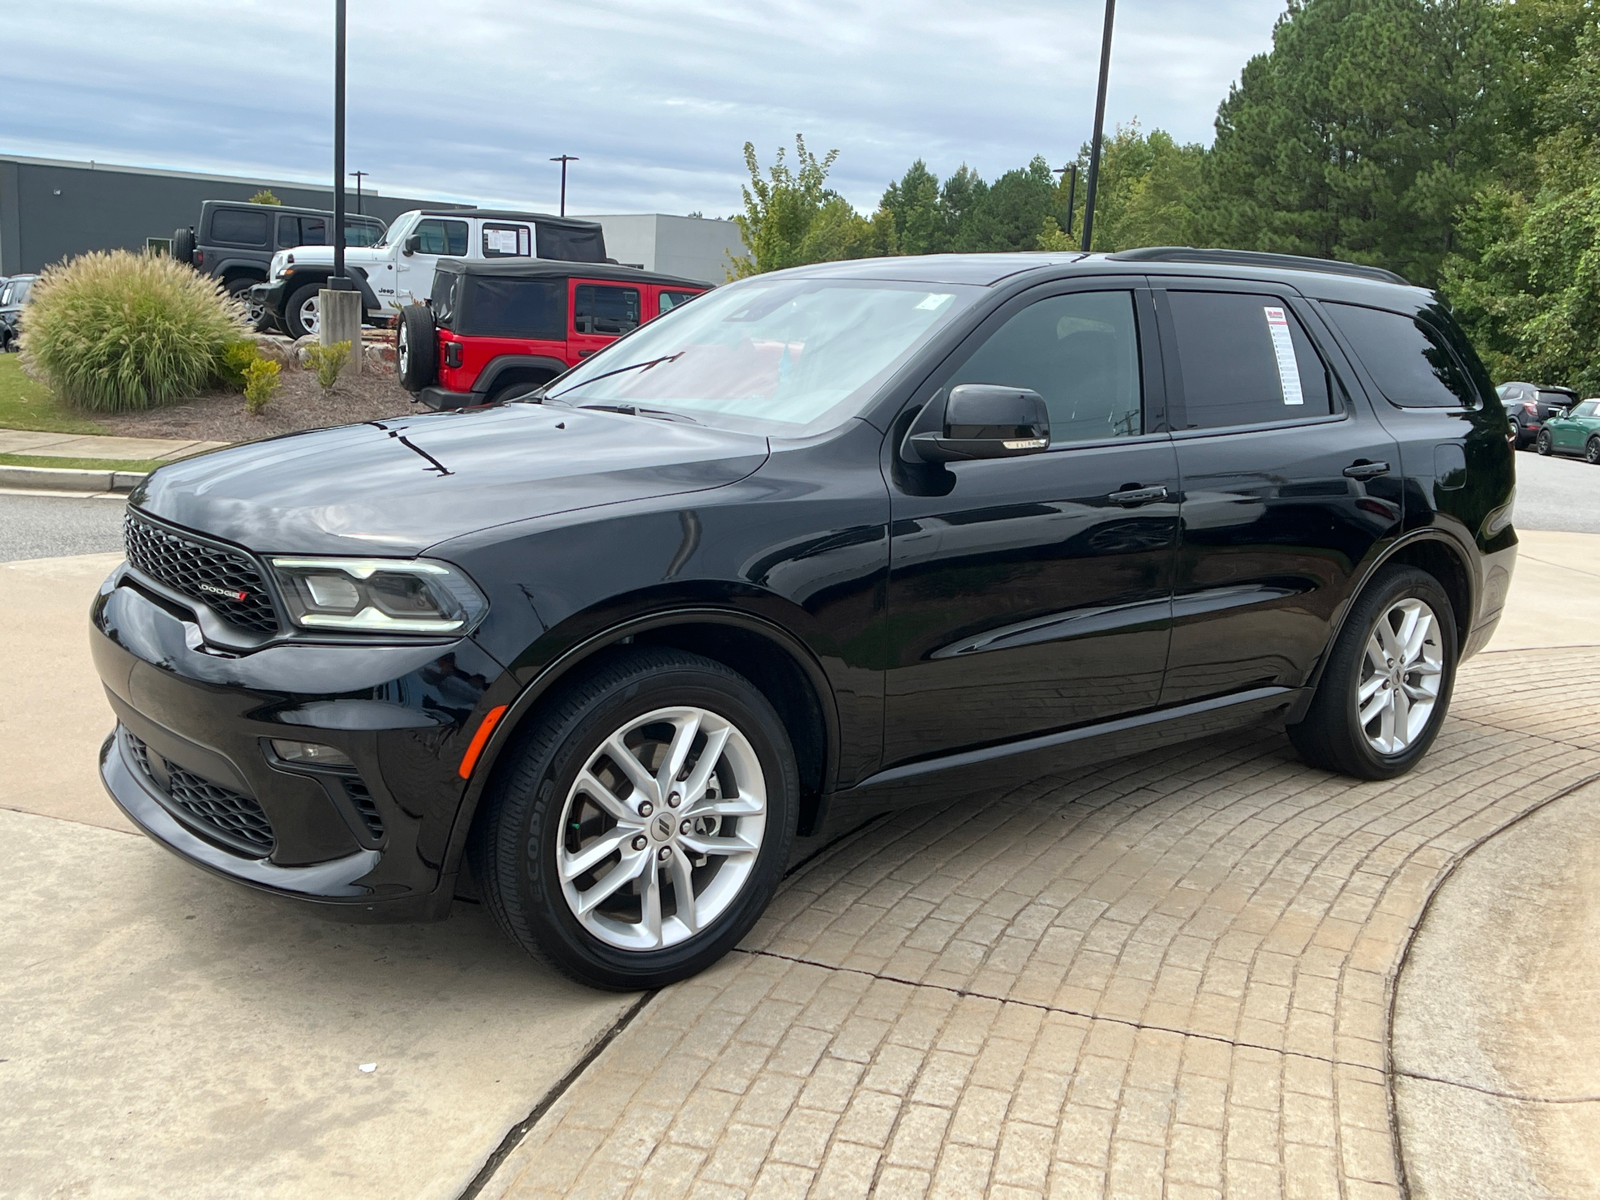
(1031, 594)
(1290, 487)
(601, 313)
(437, 238)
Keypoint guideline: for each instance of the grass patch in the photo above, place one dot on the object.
(28, 404)
(140, 465)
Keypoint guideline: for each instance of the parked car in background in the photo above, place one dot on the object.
(1576, 432)
(1530, 406)
(829, 542)
(398, 270)
(234, 240)
(493, 329)
(13, 295)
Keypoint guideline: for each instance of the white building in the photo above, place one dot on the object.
(690, 247)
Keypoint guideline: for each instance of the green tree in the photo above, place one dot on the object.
(264, 196)
(791, 217)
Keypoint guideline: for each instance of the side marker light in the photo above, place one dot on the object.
(480, 740)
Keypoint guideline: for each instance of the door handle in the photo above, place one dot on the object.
(1135, 496)
(1366, 470)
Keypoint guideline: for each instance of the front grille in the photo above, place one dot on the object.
(227, 581)
(361, 796)
(236, 820)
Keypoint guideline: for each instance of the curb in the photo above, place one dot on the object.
(69, 479)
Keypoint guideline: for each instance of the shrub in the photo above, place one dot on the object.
(114, 331)
(260, 382)
(264, 196)
(327, 362)
(234, 366)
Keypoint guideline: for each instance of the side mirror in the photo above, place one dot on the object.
(413, 243)
(981, 420)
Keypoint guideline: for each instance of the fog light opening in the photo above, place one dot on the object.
(311, 754)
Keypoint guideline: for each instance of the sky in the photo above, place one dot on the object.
(468, 99)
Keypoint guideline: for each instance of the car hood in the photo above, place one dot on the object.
(399, 486)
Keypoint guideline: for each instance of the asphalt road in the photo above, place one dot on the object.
(1561, 494)
(52, 526)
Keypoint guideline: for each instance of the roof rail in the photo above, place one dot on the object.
(1257, 258)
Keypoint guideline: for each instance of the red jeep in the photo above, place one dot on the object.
(492, 330)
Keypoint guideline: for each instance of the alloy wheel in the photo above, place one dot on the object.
(1591, 452)
(661, 829)
(402, 352)
(1402, 672)
(1542, 443)
(311, 316)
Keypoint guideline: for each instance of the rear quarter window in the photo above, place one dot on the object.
(239, 227)
(1408, 358)
(535, 309)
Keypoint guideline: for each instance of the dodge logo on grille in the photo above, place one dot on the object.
(227, 593)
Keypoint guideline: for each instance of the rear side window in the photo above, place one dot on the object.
(506, 241)
(599, 309)
(672, 299)
(1406, 357)
(239, 227)
(443, 298)
(570, 245)
(1245, 360)
(442, 237)
(520, 308)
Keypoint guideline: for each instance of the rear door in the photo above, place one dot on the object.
(601, 313)
(1290, 485)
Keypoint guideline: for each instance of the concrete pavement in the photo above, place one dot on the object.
(76, 445)
(1169, 977)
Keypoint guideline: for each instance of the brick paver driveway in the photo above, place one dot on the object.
(1170, 978)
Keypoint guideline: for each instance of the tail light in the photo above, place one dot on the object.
(1528, 406)
(199, 258)
(452, 354)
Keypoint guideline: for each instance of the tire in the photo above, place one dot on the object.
(239, 289)
(1543, 444)
(1591, 451)
(299, 309)
(542, 809)
(416, 348)
(522, 387)
(183, 245)
(1333, 736)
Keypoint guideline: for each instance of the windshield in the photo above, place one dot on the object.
(1589, 408)
(402, 225)
(15, 292)
(770, 355)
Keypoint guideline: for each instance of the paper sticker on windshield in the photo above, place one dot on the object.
(1283, 347)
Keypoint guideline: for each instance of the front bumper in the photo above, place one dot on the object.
(192, 752)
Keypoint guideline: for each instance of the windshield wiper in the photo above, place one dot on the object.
(633, 410)
(638, 366)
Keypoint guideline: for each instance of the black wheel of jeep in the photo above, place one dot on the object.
(303, 312)
(637, 831)
(183, 245)
(1543, 444)
(1591, 452)
(416, 348)
(239, 289)
(1386, 687)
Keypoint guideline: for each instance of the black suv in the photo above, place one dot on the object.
(1529, 407)
(821, 543)
(234, 241)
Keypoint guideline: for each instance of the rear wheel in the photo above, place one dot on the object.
(640, 828)
(521, 387)
(416, 348)
(1386, 687)
(1543, 444)
(303, 313)
(1591, 452)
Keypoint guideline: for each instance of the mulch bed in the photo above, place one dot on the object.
(299, 404)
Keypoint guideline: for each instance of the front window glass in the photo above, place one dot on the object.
(1081, 353)
(1245, 360)
(769, 354)
(1407, 358)
(443, 237)
(608, 310)
(672, 299)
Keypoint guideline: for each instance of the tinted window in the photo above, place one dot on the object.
(570, 245)
(1406, 358)
(443, 237)
(302, 231)
(1245, 360)
(597, 309)
(506, 241)
(359, 233)
(671, 300)
(520, 308)
(443, 298)
(240, 226)
(1563, 399)
(1080, 352)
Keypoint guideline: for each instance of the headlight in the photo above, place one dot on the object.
(379, 595)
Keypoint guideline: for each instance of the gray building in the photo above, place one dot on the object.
(690, 247)
(51, 209)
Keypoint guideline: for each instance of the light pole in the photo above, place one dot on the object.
(1099, 128)
(563, 159)
(339, 281)
(358, 176)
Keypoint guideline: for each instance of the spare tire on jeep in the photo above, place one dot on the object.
(183, 245)
(416, 349)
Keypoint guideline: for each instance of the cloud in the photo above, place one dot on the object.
(468, 99)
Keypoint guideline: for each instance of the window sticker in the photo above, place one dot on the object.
(507, 241)
(1283, 347)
